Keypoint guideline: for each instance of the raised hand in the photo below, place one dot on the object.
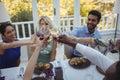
(33, 39)
(66, 40)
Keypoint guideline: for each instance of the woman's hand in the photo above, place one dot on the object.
(39, 42)
(33, 39)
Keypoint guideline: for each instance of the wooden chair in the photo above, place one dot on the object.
(68, 51)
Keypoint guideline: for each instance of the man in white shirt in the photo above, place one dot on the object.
(111, 69)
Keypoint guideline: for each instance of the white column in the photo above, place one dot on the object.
(76, 13)
(116, 9)
(4, 17)
(118, 22)
(35, 13)
(56, 18)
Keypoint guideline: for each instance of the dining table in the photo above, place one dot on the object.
(68, 72)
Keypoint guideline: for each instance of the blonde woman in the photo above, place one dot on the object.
(47, 53)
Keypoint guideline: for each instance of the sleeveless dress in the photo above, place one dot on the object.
(45, 57)
(10, 57)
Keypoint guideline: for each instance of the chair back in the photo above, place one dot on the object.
(68, 51)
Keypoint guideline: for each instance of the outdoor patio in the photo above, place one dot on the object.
(109, 27)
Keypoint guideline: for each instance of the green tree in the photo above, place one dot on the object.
(19, 10)
(86, 6)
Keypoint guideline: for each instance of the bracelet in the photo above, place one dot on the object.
(93, 41)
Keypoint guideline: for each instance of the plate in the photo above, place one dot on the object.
(39, 78)
(42, 67)
(79, 62)
(100, 70)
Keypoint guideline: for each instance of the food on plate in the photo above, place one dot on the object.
(77, 61)
(42, 66)
(46, 65)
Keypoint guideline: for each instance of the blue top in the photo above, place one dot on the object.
(10, 57)
(82, 31)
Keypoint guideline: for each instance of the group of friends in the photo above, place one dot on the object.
(79, 39)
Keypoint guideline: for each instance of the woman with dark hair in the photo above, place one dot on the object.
(111, 68)
(10, 46)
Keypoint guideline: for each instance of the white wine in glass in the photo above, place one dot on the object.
(54, 31)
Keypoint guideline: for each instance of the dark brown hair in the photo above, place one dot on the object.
(3, 26)
(96, 13)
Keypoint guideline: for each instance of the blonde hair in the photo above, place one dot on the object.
(47, 20)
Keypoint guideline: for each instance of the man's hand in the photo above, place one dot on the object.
(66, 40)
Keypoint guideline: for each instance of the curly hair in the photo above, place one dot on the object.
(3, 26)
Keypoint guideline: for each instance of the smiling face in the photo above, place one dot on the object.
(92, 23)
(9, 34)
(43, 23)
(44, 27)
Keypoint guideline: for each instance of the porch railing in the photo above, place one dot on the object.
(26, 29)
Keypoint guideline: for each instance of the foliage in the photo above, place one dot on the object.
(21, 10)
(86, 6)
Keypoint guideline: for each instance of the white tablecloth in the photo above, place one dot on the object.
(89, 73)
(11, 73)
(69, 73)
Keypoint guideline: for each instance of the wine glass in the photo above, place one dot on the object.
(54, 32)
(39, 33)
(42, 32)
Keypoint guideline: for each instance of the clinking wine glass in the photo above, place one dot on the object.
(40, 35)
(54, 32)
(42, 32)
(39, 32)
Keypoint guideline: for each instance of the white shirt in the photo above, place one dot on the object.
(95, 56)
